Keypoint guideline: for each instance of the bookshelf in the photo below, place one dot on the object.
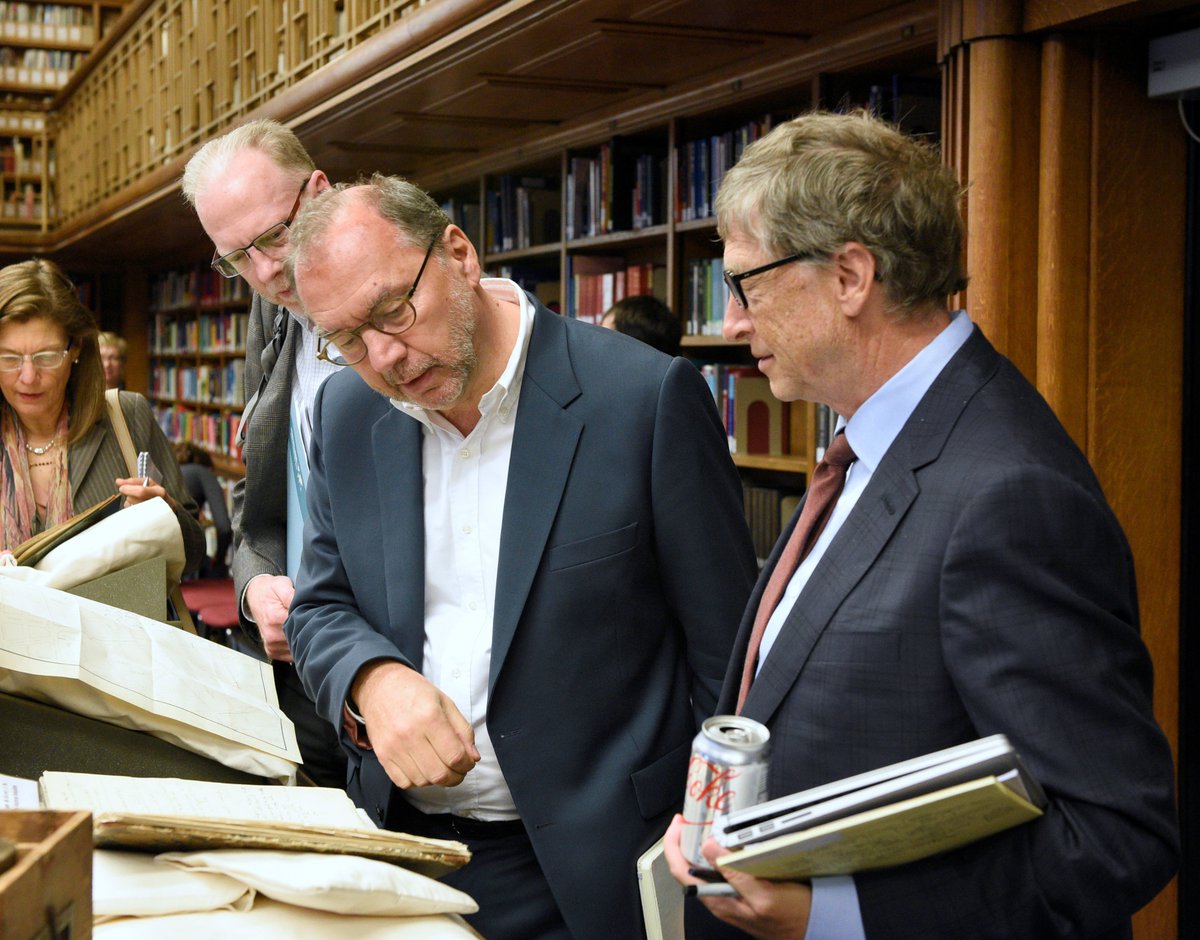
(196, 328)
(633, 213)
(27, 164)
(41, 46)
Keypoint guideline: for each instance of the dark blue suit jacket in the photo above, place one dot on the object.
(981, 584)
(625, 563)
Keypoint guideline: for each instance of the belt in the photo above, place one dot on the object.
(477, 828)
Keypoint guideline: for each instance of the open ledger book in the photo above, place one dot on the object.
(131, 671)
(168, 814)
(34, 549)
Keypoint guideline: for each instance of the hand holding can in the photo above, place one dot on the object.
(728, 771)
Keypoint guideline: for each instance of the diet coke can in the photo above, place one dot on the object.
(728, 771)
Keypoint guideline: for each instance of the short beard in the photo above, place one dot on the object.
(459, 361)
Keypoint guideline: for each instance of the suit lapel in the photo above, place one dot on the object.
(83, 453)
(543, 449)
(869, 527)
(396, 439)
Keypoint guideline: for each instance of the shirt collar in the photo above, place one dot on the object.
(881, 417)
(504, 394)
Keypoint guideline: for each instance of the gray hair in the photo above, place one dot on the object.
(822, 180)
(417, 218)
(269, 137)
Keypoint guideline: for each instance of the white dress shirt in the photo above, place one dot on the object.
(465, 483)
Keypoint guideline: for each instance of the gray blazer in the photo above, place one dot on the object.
(981, 584)
(260, 497)
(625, 563)
(95, 461)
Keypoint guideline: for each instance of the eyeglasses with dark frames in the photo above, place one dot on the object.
(346, 347)
(269, 243)
(734, 281)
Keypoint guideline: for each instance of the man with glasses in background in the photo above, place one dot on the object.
(526, 556)
(246, 188)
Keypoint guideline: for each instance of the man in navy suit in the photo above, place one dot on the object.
(525, 562)
(971, 578)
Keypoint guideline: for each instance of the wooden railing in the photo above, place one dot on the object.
(172, 73)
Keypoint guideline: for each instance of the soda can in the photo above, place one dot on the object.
(728, 771)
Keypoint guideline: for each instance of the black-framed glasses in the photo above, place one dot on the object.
(346, 347)
(45, 360)
(734, 281)
(269, 243)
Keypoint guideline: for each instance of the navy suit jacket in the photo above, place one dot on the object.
(625, 563)
(981, 584)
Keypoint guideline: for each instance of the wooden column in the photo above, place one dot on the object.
(135, 299)
(1002, 201)
(1064, 219)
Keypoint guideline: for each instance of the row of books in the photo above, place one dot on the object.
(21, 122)
(210, 430)
(465, 214)
(595, 283)
(223, 332)
(198, 286)
(16, 157)
(23, 203)
(702, 164)
(768, 510)
(619, 188)
(756, 422)
(706, 297)
(204, 384)
(38, 66)
(522, 211)
(47, 22)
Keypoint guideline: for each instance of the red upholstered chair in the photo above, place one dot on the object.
(213, 606)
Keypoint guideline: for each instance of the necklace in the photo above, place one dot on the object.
(39, 451)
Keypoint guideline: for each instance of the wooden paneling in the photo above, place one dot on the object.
(1137, 311)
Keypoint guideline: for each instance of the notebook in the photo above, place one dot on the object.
(990, 756)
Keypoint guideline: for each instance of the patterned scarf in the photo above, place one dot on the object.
(18, 507)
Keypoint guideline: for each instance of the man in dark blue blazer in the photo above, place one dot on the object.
(971, 578)
(525, 562)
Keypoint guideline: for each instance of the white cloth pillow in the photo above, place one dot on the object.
(270, 920)
(132, 884)
(345, 884)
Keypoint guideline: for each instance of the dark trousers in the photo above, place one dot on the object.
(503, 877)
(324, 759)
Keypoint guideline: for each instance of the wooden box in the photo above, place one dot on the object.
(47, 894)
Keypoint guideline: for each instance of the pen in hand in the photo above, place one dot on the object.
(143, 462)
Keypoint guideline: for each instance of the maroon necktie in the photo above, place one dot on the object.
(827, 482)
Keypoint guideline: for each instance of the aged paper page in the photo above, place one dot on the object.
(120, 667)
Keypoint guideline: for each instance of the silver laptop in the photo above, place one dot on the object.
(990, 756)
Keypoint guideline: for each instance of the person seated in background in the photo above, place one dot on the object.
(112, 357)
(196, 466)
(60, 454)
(646, 318)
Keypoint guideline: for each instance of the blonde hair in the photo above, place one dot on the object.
(822, 180)
(39, 288)
(269, 137)
(113, 341)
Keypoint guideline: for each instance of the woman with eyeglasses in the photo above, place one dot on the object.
(59, 454)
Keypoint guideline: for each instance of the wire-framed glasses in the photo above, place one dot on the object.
(734, 281)
(269, 243)
(45, 360)
(346, 347)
